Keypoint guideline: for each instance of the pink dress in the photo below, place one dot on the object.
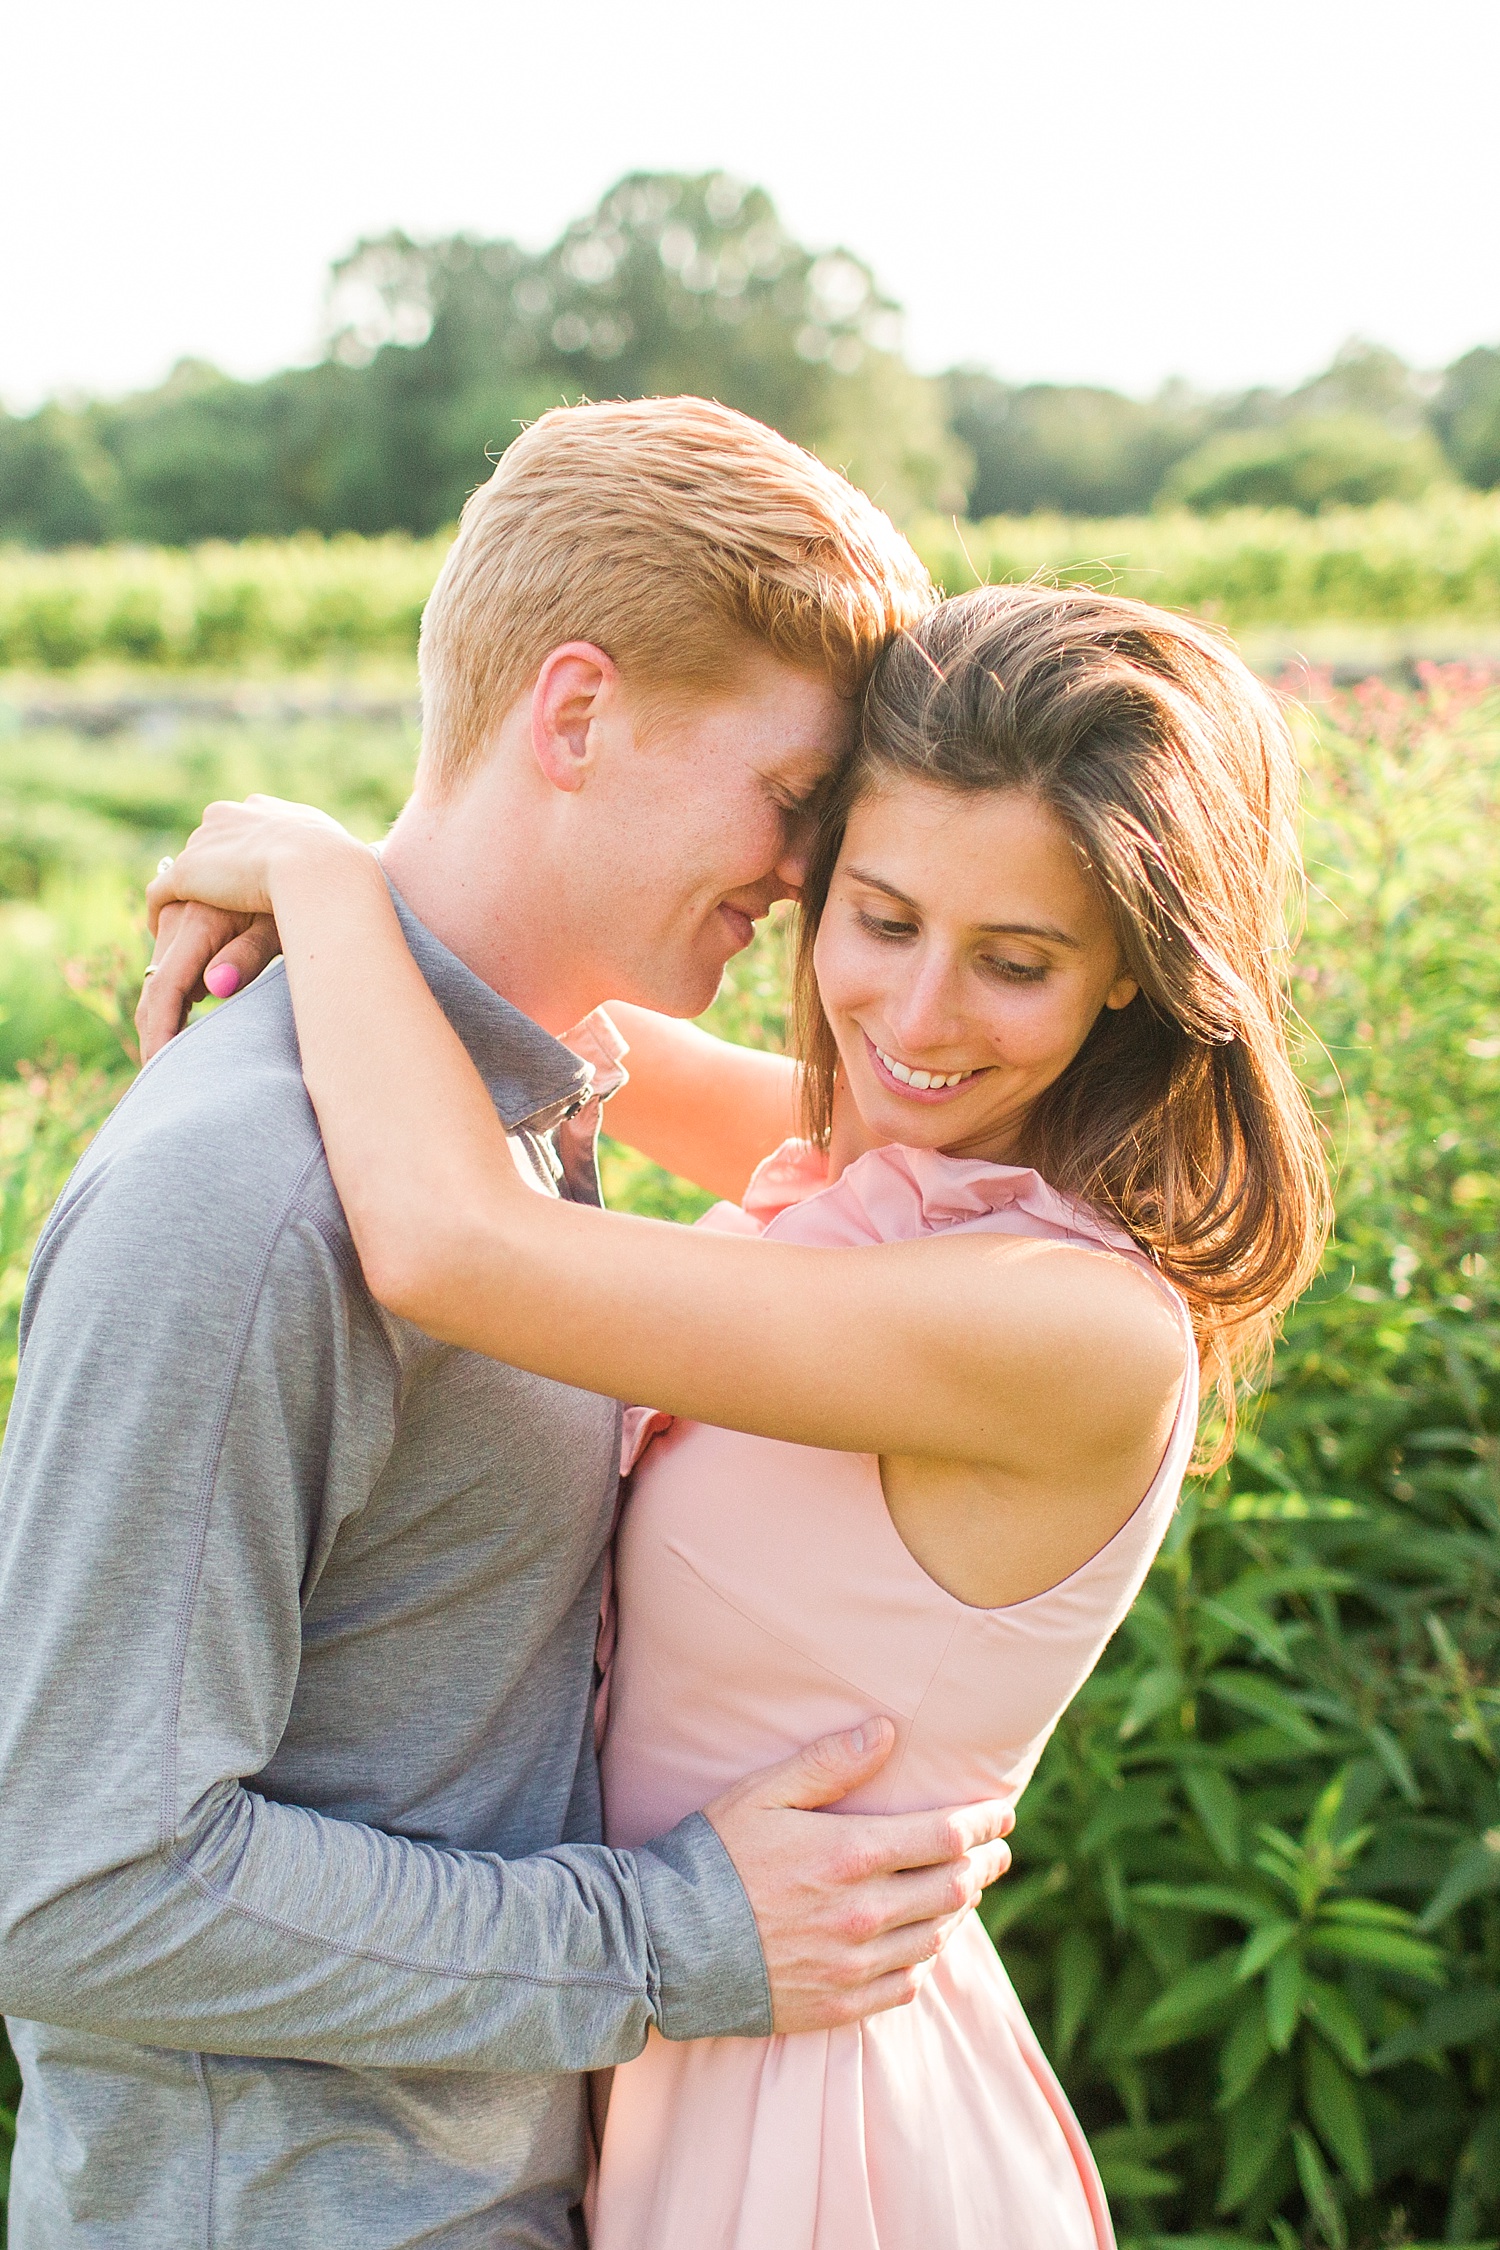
(764, 1597)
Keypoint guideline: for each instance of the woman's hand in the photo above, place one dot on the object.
(200, 950)
(240, 852)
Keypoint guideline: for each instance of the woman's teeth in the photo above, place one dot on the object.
(923, 1080)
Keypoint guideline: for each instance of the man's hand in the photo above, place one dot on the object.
(852, 1908)
(199, 950)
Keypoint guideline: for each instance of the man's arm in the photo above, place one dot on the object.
(178, 1462)
(175, 1472)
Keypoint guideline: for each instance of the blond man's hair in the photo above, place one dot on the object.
(677, 536)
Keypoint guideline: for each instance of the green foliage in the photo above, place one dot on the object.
(1255, 1911)
(1466, 416)
(1069, 450)
(1257, 1888)
(1344, 461)
(441, 351)
(277, 605)
(1387, 564)
(84, 819)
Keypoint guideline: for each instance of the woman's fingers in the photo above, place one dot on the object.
(229, 859)
(192, 942)
(240, 962)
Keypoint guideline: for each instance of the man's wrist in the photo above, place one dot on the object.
(711, 1971)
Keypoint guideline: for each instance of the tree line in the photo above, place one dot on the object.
(439, 352)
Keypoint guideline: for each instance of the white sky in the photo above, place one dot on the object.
(1104, 190)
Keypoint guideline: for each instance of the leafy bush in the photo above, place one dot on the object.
(1251, 566)
(1257, 1899)
(1255, 1911)
(1343, 461)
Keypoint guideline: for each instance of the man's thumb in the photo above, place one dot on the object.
(830, 1767)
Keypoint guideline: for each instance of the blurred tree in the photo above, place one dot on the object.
(1347, 460)
(1466, 416)
(55, 480)
(439, 352)
(1077, 450)
(1364, 379)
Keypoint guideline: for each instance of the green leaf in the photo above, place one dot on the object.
(1250, 1623)
(1395, 1761)
(1324, 2005)
(1333, 2104)
(1243, 2055)
(1264, 1699)
(1154, 1692)
(1125, 2175)
(1381, 1949)
(1318, 2188)
(1263, 1946)
(1077, 1974)
(1474, 1874)
(1283, 1990)
(1454, 2019)
(1367, 1913)
(1204, 1898)
(1186, 2006)
(1255, 2137)
(1216, 1802)
(1290, 1507)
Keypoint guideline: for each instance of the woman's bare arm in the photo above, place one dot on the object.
(701, 1106)
(1035, 1358)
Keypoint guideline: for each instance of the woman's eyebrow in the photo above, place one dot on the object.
(1045, 930)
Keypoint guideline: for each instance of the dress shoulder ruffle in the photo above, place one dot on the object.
(898, 1194)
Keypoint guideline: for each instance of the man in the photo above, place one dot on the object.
(305, 1929)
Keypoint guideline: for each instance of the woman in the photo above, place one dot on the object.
(1051, 1107)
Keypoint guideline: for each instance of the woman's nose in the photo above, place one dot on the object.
(924, 1014)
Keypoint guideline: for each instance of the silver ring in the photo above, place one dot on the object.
(148, 972)
(162, 865)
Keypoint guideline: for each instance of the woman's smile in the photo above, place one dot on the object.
(919, 1082)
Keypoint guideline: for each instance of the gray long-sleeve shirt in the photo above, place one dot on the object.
(305, 1926)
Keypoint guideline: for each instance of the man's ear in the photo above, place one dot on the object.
(573, 688)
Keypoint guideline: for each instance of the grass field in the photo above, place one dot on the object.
(1255, 1912)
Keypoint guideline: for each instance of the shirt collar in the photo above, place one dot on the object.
(533, 1079)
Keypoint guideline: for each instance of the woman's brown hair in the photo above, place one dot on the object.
(1172, 768)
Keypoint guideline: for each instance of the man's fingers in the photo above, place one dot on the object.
(890, 1841)
(822, 1772)
(922, 1895)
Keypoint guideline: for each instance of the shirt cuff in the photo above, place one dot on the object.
(710, 1970)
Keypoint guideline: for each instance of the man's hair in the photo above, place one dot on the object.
(677, 536)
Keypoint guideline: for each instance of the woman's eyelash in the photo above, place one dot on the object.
(1018, 972)
(879, 927)
(1009, 972)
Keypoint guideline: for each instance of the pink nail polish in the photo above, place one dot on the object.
(223, 979)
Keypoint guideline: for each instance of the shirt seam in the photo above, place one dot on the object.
(341, 1249)
(207, 1485)
(455, 1973)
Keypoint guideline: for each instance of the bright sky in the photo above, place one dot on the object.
(1076, 189)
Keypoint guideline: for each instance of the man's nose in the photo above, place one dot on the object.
(791, 867)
